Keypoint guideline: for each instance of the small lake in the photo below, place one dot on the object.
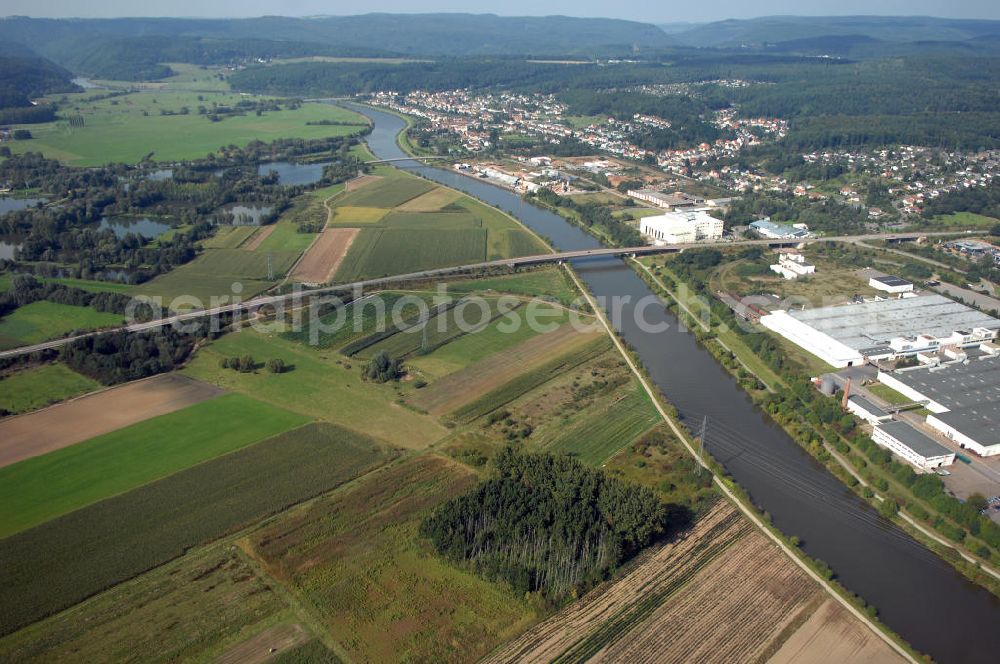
(143, 226)
(161, 174)
(7, 250)
(247, 215)
(290, 173)
(11, 204)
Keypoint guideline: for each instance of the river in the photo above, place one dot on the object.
(917, 594)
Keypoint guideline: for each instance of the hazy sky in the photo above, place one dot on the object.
(646, 10)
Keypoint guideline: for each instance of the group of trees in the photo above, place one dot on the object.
(548, 524)
(981, 200)
(382, 368)
(118, 357)
(247, 364)
(592, 214)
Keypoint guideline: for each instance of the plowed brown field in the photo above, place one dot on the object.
(77, 420)
(324, 256)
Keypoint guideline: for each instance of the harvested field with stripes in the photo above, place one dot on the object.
(465, 386)
(360, 181)
(90, 416)
(325, 255)
(432, 201)
(721, 592)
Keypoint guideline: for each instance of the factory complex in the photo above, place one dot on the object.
(851, 334)
(963, 398)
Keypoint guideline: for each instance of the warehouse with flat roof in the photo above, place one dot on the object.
(910, 444)
(845, 335)
(963, 397)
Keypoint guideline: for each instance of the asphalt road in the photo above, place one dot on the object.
(539, 259)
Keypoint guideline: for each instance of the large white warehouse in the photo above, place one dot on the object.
(681, 227)
(845, 335)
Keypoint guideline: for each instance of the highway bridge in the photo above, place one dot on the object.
(251, 306)
(395, 159)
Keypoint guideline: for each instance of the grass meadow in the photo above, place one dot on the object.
(42, 488)
(91, 549)
(356, 557)
(128, 128)
(37, 387)
(44, 320)
(320, 384)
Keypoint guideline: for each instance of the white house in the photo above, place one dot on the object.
(792, 265)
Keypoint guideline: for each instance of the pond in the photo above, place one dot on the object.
(248, 214)
(291, 173)
(8, 204)
(143, 226)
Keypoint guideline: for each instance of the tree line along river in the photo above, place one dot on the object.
(917, 594)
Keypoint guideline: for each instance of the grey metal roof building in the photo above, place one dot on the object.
(964, 400)
(871, 324)
(912, 445)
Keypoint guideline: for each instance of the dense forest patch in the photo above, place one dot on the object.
(549, 524)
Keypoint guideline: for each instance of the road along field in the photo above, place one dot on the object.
(356, 559)
(43, 487)
(95, 414)
(93, 548)
(721, 592)
(324, 256)
(467, 385)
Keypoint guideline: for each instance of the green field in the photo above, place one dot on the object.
(387, 192)
(467, 317)
(337, 328)
(44, 487)
(229, 237)
(96, 547)
(36, 387)
(44, 320)
(319, 384)
(125, 129)
(548, 281)
(285, 239)
(378, 252)
(966, 220)
(504, 394)
(356, 559)
(90, 285)
(605, 428)
(187, 610)
(469, 348)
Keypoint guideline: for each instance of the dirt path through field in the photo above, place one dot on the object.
(466, 385)
(91, 415)
(258, 238)
(325, 255)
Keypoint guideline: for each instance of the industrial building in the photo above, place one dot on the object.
(681, 227)
(866, 410)
(768, 229)
(890, 284)
(664, 200)
(847, 335)
(963, 397)
(792, 265)
(913, 446)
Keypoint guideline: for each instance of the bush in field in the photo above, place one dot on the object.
(548, 524)
(276, 365)
(245, 364)
(382, 368)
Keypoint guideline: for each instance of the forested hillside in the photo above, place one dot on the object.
(24, 76)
